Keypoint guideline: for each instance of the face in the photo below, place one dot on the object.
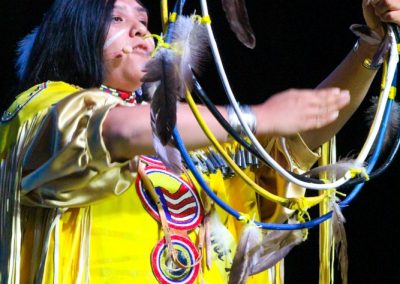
(125, 50)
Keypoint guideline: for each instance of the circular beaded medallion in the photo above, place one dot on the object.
(164, 268)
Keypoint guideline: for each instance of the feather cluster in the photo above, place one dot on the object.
(190, 43)
(258, 251)
(236, 13)
(393, 125)
(221, 240)
(167, 76)
(340, 239)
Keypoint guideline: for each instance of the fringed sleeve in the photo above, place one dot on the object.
(67, 163)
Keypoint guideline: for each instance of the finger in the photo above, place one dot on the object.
(319, 121)
(391, 17)
(392, 4)
(310, 122)
(384, 7)
(320, 97)
(323, 93)
(328, 118)
(315, 121)
(340, 100)
(307, 100)
(371, 19)
(330, 96)
(333, 100)
(379, 8)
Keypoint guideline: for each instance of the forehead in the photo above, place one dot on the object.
(130, 6)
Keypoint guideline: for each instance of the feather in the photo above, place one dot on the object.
(165, 80)
(168, 154)
(164, 102)
(246, 254)
(24, 51)
(190, 41)
(222, 242)
(258, 251)
(337, 170)
(148, 90)
(152, 69)
(274, 247)
(162, 85)
(339, 234)
(236, 13)
(393, 126)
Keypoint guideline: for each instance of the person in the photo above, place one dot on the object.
(71, 209)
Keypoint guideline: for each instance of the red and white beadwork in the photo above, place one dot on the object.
(179, 199)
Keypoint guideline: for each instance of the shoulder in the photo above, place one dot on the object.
(42, 96)
(37, 98)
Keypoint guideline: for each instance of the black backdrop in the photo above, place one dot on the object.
(298, 43)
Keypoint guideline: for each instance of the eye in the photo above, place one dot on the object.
(143, 19)
(117, 19)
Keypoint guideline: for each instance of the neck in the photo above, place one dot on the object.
(129, 97)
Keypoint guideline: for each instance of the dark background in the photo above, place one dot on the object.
(298, 43)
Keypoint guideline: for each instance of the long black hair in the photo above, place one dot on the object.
(69, 44)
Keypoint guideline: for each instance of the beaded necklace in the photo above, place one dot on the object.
(129, 97)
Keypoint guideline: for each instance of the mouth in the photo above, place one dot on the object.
(140, 49)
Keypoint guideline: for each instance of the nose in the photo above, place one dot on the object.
(138, 29)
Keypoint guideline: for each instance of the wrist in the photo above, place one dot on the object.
(371, 47)
(264, 114)
(364, 49)
(366, 34)
(247, 115)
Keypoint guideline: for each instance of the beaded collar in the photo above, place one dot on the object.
(129, 97)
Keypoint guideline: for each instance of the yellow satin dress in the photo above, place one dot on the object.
(81, 220)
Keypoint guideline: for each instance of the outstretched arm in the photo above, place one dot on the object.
(351, 74)
(127, 132)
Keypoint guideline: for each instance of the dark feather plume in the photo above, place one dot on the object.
(275, 246)
(246, 254)
(162, 86)
(167, 76)
(169, 155)
(163, 68)
(236, 13)
(148, 90)
(258, 251)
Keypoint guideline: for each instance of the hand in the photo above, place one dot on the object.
(377, 11)
(294, 110)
